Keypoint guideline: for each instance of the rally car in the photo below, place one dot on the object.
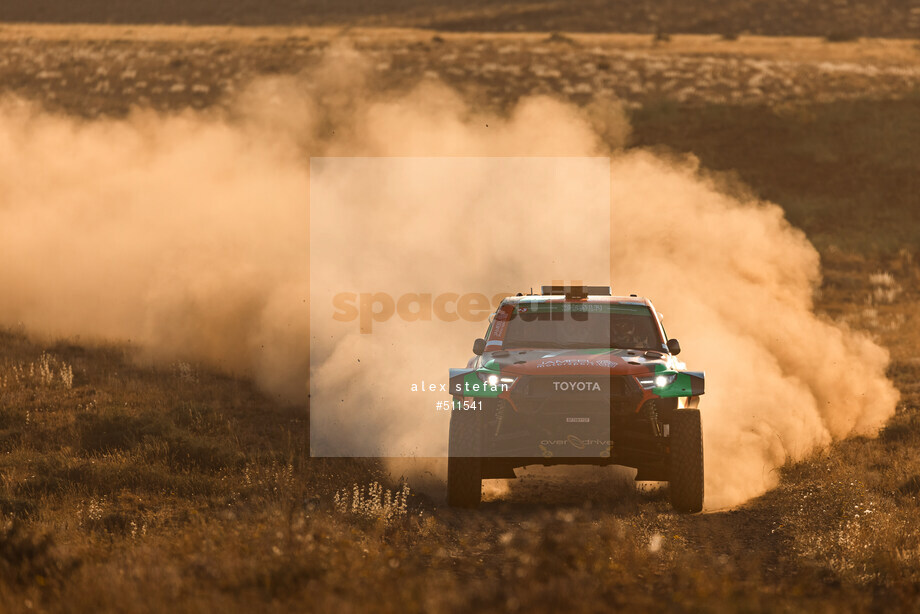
(575, 375)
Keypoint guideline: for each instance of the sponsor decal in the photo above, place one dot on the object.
(594, 307)
(564, 362)
(579, 362)
(570, 419)
(577, 386)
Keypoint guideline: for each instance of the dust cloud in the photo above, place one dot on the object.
(188, 236)
(735, 282)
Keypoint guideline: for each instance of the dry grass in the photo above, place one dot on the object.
(144, 489)
(105, 70)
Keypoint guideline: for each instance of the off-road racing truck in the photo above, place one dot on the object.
(576, 376)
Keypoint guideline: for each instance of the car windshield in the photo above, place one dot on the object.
(559, 327)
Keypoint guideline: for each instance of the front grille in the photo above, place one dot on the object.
(577, 385)
(565, 394)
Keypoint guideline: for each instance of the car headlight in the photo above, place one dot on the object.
(489, 378)
(493, 379)
(657, 381)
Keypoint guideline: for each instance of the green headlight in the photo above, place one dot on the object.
(489, 378)
(660, 380)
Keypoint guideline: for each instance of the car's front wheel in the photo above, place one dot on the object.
(686, 461)
(464, 462)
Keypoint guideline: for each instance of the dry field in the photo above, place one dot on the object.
(143, 489)
(94, 70)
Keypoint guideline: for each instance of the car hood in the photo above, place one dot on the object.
(586, 362)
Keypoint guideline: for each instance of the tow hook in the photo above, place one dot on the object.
(652, 412)
(499, 417)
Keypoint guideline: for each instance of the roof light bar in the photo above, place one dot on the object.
(576, 291)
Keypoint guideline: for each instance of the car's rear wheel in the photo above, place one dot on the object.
(464, 462)
(686, 461)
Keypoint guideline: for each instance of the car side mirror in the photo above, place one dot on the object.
(479, 346)
(674, 346)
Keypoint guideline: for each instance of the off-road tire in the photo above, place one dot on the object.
(464, 463)
(686, 461)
